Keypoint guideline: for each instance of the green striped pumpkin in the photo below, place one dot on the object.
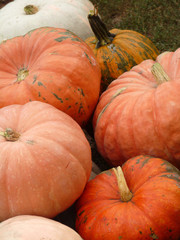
(117, 51)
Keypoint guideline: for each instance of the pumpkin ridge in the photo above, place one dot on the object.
(118, 92)
(39, 48)
(155, 120)
(150, 220)
(147, 182)
(144, 210)
(138, 98)
(118, 122)
(7, 57)
(80, 165)
(6, 184)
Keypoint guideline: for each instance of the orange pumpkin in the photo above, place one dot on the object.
(50, 65)
(139, 201)
(45, 160)
(117, 51)
(28, 227)
(139, 113)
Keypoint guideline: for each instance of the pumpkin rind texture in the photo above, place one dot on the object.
(51, 65)
(27, 227)
(152, 213)
(118, 50)
(45, 162)
(136, 115)
(68, 14)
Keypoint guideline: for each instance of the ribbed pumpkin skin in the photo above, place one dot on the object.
(46, 168)
(127, 49)
(152, 213)
(61, 70)
(137, 116)
(27, 227)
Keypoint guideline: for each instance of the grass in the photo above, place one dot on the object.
(158, 20)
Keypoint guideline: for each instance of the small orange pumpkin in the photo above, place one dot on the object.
(45, 160)
(139, 201)
(51, 65)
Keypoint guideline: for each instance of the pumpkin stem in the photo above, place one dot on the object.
(125, 194)
(103, 36)
(10, 135)
(22, 74)
(30, 9)
(159, 73)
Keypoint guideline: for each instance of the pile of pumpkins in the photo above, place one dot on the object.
(61, 70)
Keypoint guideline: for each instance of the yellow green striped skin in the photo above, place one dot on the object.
(127, 49)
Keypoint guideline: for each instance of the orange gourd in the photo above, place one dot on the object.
(45, 160)
(139, 201)
(51, 65)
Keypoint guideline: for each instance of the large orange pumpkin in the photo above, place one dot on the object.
(28, 227)
(139, 202)
(45, 160)
(50, 65)
(117, 51)
(139, 113)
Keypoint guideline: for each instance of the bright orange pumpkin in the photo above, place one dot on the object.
(117, 51)
(51, 65)
(139, 202)
(45, 160)
(28, 227)
(139, 113)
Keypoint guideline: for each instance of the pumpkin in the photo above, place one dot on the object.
(139, 112)
(138, 201)
(19, 17)
(26, 227)
(117, 50)
(45, 160)
(51, 65)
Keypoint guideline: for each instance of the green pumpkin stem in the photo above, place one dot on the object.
(99, 29)
(30, 9)
(10, 135)
(159, 73)
(125, 193)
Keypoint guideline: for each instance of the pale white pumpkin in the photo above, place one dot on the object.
(26, 227)
(68, 14)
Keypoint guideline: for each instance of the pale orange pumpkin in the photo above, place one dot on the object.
(139, 113)
(28, 227)
(51, 65)
(45, 160)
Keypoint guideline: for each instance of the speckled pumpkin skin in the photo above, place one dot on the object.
(127, 49)
(60, 69)
(152, 213)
